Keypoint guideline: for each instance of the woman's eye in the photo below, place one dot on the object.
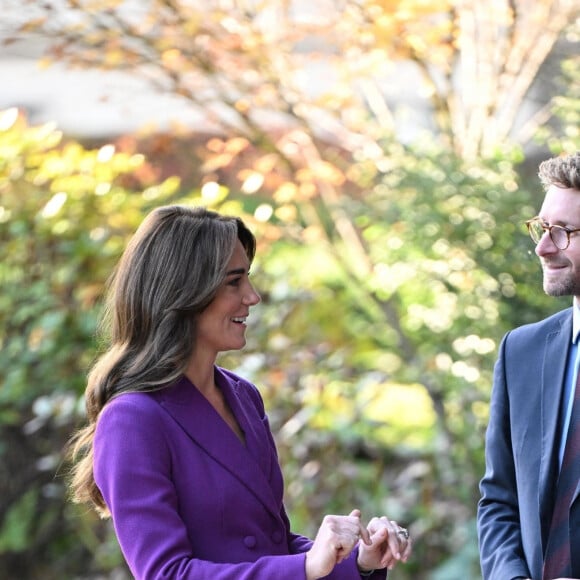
(234, 282)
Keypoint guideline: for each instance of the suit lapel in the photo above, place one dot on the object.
(553, 376)
(209, 431)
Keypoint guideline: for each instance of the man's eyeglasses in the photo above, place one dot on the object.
(559, 235)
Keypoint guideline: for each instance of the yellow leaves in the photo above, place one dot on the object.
(236, 145)
(307, 190)
(313, 235)
(409, 9)
(53, 182)
(173, 59)
(13, 125)
(243, 106)
(328, 173)
(267, 163)
(169, 56)
(330, 398)
(405, 412)
(45, 62)
(286, 193)
(216, 162)
(114, 58)
(266, 95)
(162, 191)
(287, 213)
(102, 5)
(403, 29)
(323, 171)
(402, 413)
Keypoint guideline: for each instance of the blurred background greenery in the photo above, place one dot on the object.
(385, 155)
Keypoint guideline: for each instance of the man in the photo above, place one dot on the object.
(525, 529)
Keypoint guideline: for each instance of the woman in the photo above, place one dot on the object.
(178, 450)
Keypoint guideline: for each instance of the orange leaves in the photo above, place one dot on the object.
(32, 25)
(409, 28)
(293, 193)
(232, 146)
(223, 152)
(409, 9)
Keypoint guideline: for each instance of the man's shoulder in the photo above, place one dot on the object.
(552, 323)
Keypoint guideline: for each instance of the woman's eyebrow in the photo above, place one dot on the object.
(236, 271)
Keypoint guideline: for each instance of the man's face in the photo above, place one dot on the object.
(561, 267)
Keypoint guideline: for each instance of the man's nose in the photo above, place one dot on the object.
(546, 246)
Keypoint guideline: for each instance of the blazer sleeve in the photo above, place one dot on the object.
(498, 519)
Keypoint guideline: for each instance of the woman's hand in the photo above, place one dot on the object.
(390, 543)
(335, 540)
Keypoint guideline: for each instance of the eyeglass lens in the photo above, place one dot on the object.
(558, 235)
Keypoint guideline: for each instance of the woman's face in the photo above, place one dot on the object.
(222, 325)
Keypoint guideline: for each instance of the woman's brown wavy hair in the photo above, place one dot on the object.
(168, 274)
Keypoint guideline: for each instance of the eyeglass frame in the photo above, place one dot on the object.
(548, 228)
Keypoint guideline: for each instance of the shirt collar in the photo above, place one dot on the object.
(576, 320)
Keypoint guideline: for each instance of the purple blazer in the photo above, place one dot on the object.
(188, 499)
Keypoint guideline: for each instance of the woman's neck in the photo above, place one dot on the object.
(200, 371)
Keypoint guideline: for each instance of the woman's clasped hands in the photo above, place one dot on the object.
(390, 544)
(381, 545)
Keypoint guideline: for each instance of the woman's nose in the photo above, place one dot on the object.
(252, 297)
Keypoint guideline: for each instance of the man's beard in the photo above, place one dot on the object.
(563, 287)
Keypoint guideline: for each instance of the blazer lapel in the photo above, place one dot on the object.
(208, 430)
(257, 441)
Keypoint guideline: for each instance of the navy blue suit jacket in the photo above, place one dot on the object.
(522, 444)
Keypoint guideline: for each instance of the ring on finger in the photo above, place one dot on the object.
(403, 532)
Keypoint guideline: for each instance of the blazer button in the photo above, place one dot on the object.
(277, 536)
(250, 541)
